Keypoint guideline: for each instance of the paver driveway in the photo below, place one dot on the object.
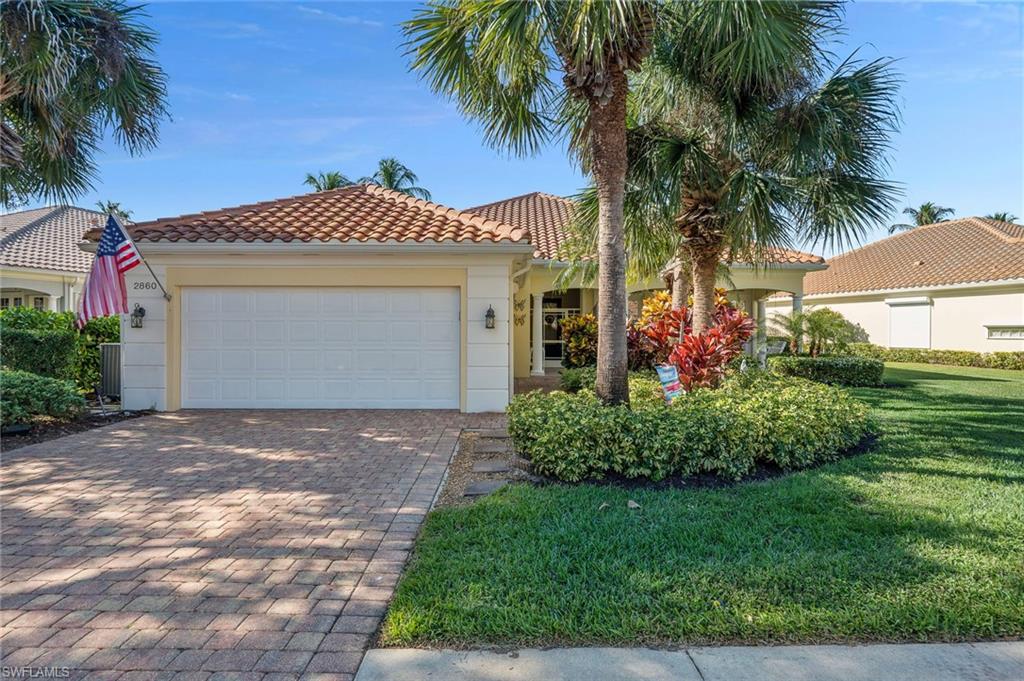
(217, 544)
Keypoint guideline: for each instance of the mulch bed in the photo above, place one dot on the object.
(45, 428)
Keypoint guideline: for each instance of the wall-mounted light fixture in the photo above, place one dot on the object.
(489, 318)
(137, 314)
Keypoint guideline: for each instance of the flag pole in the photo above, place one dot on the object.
(167, 296)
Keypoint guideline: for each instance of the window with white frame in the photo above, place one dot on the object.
(1005, 331)
(5, 303)
(17, 302)
(39, 303)
(910, 322)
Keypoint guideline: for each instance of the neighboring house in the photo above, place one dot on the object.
(359, 297)
(956, 285)
(41, 265)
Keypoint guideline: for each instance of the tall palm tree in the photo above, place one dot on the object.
(392, 174)
(928, 213)
(71, 71)
(723, 171)
(498, 58)
(1002, 216)
(322, 181)
(114, 208)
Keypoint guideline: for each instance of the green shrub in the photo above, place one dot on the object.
(755, 418)
(848, 371)
(47, 353)
(86, 366)
(580, 335)
(963, 358)
(584, 378)
(24, 395)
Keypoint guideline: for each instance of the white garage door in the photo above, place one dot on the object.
(312, 348)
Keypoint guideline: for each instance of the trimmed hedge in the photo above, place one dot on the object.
(848, 371)
(86, 366)
(24, 395)
(961, 358)
(755, 418)
(47, 353)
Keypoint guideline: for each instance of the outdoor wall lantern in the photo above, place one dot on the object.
(489, 318)
(137, 314)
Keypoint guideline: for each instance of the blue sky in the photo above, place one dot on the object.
(261, 93)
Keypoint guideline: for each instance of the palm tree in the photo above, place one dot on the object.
(497, 60)
(928, 213)
(793, 326)
(720, 171)
(71, 71)
(114, 208)
(392, 174)
(1002, 216)
(322, 182)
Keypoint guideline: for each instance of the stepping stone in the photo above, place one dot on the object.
(491, 447)
(494, 434)
(483, 487)
(491, 466)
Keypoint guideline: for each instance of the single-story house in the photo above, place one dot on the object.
(360, 297)
(956, 285)
(41, 264)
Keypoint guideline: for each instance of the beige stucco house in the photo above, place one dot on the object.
(360, 297)
(41, 265)
(956, 285)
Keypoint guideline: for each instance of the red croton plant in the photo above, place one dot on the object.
(702, 358)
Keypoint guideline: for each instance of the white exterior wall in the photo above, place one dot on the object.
(144, 351)
(488, 351)
(61, 290)
(958, 316)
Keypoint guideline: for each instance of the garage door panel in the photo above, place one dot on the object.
(233, 361)
(320, 348)
(269, 304)
(236, 332)
(304, 333)
(199, 333)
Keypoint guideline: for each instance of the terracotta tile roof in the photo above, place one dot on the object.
(47, 238)
(955, 252)
(546, 218)
(356, 213)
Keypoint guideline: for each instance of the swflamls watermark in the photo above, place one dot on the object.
(35, 672)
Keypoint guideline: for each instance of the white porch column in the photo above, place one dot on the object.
(762, 332)
(798, 307)
(537, 332)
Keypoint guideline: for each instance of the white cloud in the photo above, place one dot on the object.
(349, 19)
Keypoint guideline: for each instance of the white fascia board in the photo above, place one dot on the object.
(804, 266)
(999, 283)
(43, 273)
(916, 300)
(304, 247)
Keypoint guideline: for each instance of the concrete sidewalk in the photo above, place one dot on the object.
(1002, 661)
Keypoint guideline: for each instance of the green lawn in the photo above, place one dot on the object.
(921, 539)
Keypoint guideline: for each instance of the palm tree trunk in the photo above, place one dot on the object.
(608, 145)
(682, 279)
(705, 264)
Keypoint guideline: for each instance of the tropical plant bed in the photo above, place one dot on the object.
(44, 428)
(917, 540)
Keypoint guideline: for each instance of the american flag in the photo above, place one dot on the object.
(105, 293)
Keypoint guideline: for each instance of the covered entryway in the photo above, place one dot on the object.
(296, 348)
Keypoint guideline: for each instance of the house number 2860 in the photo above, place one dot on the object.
(144, 285)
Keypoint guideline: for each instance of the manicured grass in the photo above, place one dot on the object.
(920, 539)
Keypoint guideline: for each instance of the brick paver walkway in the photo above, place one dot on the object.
(217, 544)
